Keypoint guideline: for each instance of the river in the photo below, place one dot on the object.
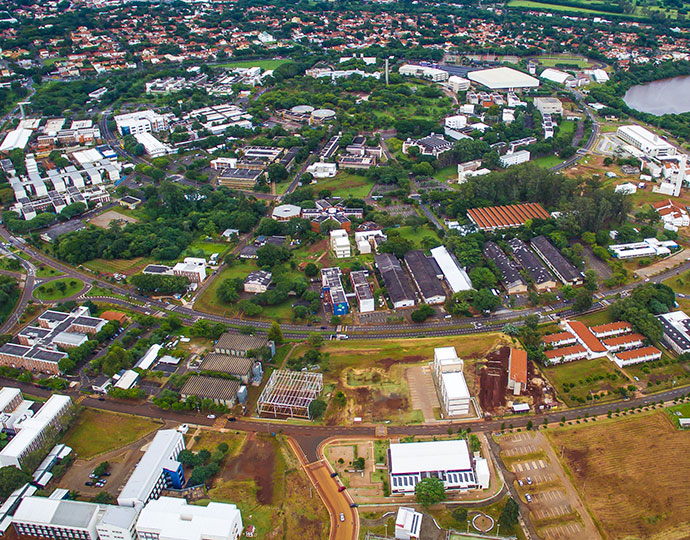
(667, 96)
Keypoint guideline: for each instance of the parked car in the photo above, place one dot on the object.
(354, 505)
(88, 484)
(521, 483)
(529, 481)
(211, 416)
(232, 419)
(341, 488)
(528, 497)
(334, 474)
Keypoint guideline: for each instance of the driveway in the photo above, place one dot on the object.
(422, 391)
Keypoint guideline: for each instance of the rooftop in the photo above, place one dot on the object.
(429, 456)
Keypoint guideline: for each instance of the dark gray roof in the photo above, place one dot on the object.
(211, 387)
(239, 366)
(397, 283)
(529, 261)
(563, 267)
(240, 342)
(424, 274)
(510, 275)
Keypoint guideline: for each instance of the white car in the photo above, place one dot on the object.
(211, 417)
(528, 497)
(342, 516)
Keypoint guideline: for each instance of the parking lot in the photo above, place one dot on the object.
(555, 508)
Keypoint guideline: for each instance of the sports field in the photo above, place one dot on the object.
(629, 473)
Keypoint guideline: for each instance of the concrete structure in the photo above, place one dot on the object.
(514, 158)
(362, 289)
(676, 326)
(431, 145)
(454, 395)
(340, 244)
(288, 394)
(257, 281)
(517, 371)
(322, 169)
(424, 72)
(455, 276)
(646, 141)
(141, 122)
(42, 517)
(408, 524)
(118, 523)
(156, 470)
(171, 518)
(33, 432)
(153, 146)
(333, 291)
(193, 268)
(458, 84)
(457, 121)
(548, 105)
(450, 461)
(557, 263)
(395, 280)
(649, 247)
(503, 78)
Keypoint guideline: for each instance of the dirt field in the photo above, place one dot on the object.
(103, 220)
(265, 481)
(629, 471)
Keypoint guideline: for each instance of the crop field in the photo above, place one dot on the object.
(118, 266)
(627, 471)
(575, 381)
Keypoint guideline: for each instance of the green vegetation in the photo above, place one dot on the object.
(346, 185)
(9, 294)
(586, 380)
(266, 65)
(678, 411)
(58, 289)
(92, 433)
(429, 491)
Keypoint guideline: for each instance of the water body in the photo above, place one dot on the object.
(667, 96)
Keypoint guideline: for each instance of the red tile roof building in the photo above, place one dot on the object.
(492, 218)
(636, 356)
(517, 371)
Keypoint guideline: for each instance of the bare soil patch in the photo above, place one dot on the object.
(255, 461)
(106, 218)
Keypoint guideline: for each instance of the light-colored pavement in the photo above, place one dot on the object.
(422, 391)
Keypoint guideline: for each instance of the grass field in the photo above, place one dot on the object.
(263, 64)
(94, 432)
(44, 271)
(678, 411)
(589, 377)
(118, 266)
(548, 161)
(627, 471)
(48, 292)
(554, 7)
(596, 318)
(567, 127)
(660, 374)
(416, 236)
(209, 248)
(552, 61)
(346, 185)
(447, 173)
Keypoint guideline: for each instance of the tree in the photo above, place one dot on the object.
(422, 313)
(396, 245)
(315, 340)
(317, 408)
(583, 300)
(429, 491)
(482, 278)
(103, 497)
(460, 515)
(275, 333)
(311, 270)
(11, 478)
(277, 172)
(509, 515)
(359, 463)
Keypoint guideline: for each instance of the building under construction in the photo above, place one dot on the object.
(288, 394)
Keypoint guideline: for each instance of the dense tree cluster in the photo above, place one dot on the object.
(640, 308)
(159, 284)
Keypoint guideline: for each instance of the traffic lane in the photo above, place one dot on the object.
(336, 502)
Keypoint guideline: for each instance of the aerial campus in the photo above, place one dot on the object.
(344, 270)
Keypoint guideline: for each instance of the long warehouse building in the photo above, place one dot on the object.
(396, 281)
(559, 265)
(425, 274)
(529, 261)
(493, 218)
(511, 279)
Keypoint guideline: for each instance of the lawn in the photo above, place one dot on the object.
(346, 185)
(554, 7)
(263, 64)
(45, 271)
(680, 283)
(584, 378)
(628, 472)
(95, 432)
(548, 161)
(678, 411)
(659, 375)
(447, 173)
(415, 236)
(49, 292)
(596, 318)
(567, 127)
(209, 247)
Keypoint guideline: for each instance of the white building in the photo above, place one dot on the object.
(449, 461)
(257, 282)
(457, 121)
(458, 84)
(548, 105)
(321, 169)
(118, 523)
(454, 395)
(672, 213)
(33, 431)
(362, 289)
(455, 276)
(649, 247)
(141, 122)
(408, 524)
(514, 158)
(128, 379)
(646, 141)
(503, 78)
(340, 244)
(286, 212)
(57, 519)
(153, 146)
(557, 76)
(156, 470)
(425, 72)
(676, 331)
(193, 268)
(171, 518)
(365, 239)
(627, 188)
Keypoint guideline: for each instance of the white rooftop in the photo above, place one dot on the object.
(455, 385)
(503, 77)
(457, 278)
(286, 211)
(7, 394)
(71, 514)
(429, 456)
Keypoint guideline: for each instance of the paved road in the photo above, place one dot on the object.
(593, 136)
(337, 502)
(26, 296)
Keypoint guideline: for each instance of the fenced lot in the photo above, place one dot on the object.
(630, 472)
